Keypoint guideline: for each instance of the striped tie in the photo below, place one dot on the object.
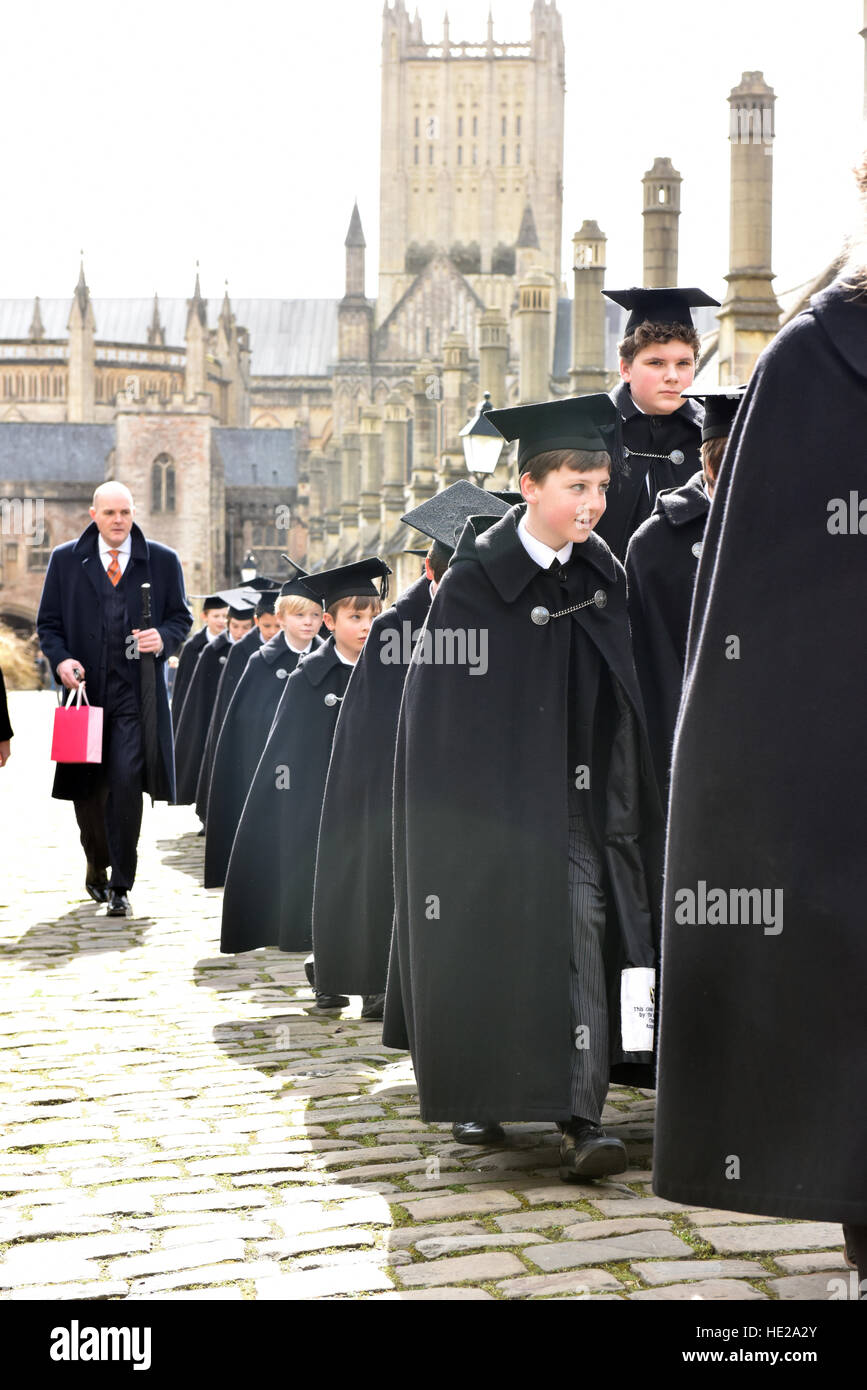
(113, 570)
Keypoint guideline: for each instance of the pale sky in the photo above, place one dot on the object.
(239, 134)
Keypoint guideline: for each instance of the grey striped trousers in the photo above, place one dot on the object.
(587, 991)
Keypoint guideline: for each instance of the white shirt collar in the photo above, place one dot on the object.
(124, 549)
(212, 636)
(538, 550)
(344, 659)
(299, 651)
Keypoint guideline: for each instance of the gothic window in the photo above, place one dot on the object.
(503, 126)
(38, 555)
(517, 154)
(475, 155)
(475, 128)
(19, 385)
(415, 128)
(34, 387)
(45, 389)
(415, 155)
(502, 154)
(163, 484)
(460, 154)
(430, 150)
(517, 125)
(427, 339)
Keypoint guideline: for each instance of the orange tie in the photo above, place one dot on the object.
(113, 570)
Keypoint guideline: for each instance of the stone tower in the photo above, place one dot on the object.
(750, 314)
(493, 355)
(534, 331)
(81, 403)
(587, 372)
(355, 313)
(470, 133)
(661, 217)
(196, 338)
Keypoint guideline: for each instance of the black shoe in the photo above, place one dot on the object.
(118, 903)
(373, 1007)
(331, 1001)
(478, 1132)
(200, 833)
(310, 972)
(96, 883)
(586, 1151)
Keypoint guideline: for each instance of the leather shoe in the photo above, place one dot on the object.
(478, 1132)
(331, 1001)
(373, 1007)
(586, 1151)
(96, 883)
(118, 904)
(310, 972)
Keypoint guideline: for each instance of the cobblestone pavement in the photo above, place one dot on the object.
(186, 1125)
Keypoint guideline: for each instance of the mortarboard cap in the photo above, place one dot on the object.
(213, 601)
(349, 581)
(443, 516)
(659, 306)
(572, 422)
(720, 408)
(295, 583)
(241, 602)
(265, 601)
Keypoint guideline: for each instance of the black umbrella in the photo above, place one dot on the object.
(155, 776)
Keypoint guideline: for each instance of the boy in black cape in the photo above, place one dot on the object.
(661, 564)
(763, 1029)
(279, 825)
(353, 903)
(249, 718)
(192, 729)
(216, 615)
(522, 788)
(658, 433)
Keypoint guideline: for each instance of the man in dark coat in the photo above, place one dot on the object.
(249, 718)
(658, 433)
(279, 825)
(353, 904)
(201, 696)
(661, 564)
(5, 726)
(763, 1030)
(521, 791)
(88, 625)
(216, 615)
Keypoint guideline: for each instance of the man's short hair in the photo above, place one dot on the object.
(712, 451)
(647, 333)
(358, 603)
(289, 604)
(439, 556)
(582, 460)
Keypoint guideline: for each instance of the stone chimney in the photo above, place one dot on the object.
(661, 217)
(587, 372)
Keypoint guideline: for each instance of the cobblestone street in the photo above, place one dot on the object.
(181, 1124)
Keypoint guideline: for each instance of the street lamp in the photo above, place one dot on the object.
(482, 442)
(248, 567)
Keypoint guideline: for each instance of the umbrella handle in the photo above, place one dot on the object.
(146, 605)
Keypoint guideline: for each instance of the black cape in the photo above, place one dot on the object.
(636, 481)
(239, 747)
(482, 925)
(195, 717)
(353, 903)
(763, 1034)
(184, 673)
(233, 670)
(268, 899)
(661, 565)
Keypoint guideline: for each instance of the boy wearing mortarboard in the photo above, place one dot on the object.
(658, 435)
(353, 904)
(661, 565)
(280, 821)
(216, 614)
(520, 796)
(249, 718)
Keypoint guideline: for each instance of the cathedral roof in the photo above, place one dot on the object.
(527, 234)
(55, 452)
(258, 457)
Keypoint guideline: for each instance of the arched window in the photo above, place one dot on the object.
(38, 555)
(163, 484)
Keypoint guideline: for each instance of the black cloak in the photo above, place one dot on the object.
(763, 1062)
(661, 564)
(482, 926)
(196, 714)
(636, 481)
(239, 747)
(184, 673)
(233, 669)
(353, 903)
(269, 882)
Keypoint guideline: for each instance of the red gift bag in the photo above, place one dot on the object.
(77, 731)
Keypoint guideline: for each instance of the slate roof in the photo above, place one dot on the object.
(258, 458)
(67, 453)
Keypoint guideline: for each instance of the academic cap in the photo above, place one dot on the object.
(572, 422)
(443, 516)
(720, 408)
(265, 601)
(241, 602)
(213, 601)
(659, 306)
(349, 581)
(295, 585)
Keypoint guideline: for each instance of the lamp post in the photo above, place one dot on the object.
(248, 567)
(482, 443)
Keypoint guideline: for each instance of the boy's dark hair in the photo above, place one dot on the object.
(712, 451)
(582, 460)
(265, 605)
(359, 603)
(647, 333)
(439, 556)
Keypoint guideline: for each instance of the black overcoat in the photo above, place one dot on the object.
(353, 903)
(70, 624)
(763, 1065)
(661, 565)
(482, 922)
(636, 481)
(233, 669)
(268, 899)
(239, 748)
(195, 719)
(184, 673)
